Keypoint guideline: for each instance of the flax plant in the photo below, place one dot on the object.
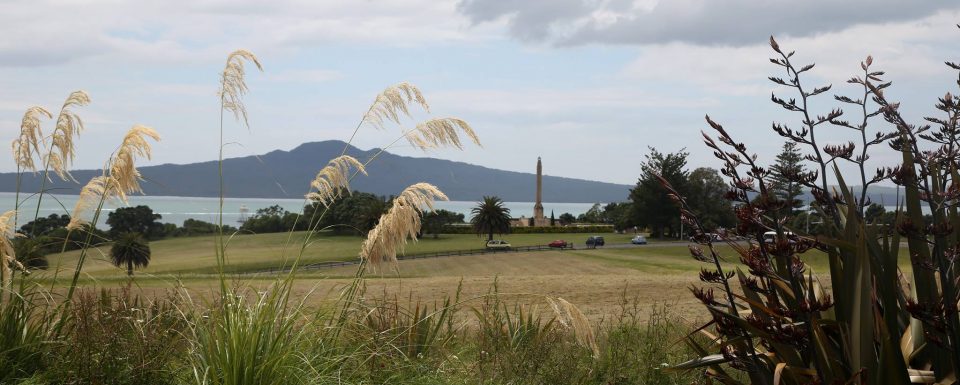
(876, 324)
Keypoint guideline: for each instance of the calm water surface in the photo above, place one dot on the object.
(177, 209)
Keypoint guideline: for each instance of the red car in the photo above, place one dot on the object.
(560, 244)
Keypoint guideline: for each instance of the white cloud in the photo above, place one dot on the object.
(49, 32)
(908, 51)
(702, 22)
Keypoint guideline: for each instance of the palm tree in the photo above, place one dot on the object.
(132, 250)
(490, 216)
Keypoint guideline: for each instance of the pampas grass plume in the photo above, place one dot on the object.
(27, 145)
(571, 317)
(8, 258)
(441, 132)
(122, 167)
(333, 179)
(234, 84)
(119, 179)
(69, 124)
(399, 223)
(393, 102)
(99, 188)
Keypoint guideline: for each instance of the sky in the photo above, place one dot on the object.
(588, 85)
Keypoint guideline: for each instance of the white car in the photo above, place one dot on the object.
(498, 244)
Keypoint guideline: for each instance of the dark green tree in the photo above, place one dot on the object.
(138, 219)
(651, 207)
(783, 176)
(490, 216)
(706, 192)
(45, 225)
(553, 221)
(353, 213)
(130, 250)
(434, 221)
(273, 219)
(567, 218)
(30, 252)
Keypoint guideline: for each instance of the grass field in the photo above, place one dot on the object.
(596, 280)
(195, 255)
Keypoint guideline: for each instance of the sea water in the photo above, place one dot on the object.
(178, 209)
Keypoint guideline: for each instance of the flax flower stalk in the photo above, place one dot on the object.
(26, 147)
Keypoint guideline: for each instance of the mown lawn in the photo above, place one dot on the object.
(250, 252)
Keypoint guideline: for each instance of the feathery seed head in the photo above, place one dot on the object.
(402, 221)
(27, 145)
(61, 152)
(439, 132)
(393, 102)
(333, 179)
(571, 317)
(123, 170)
(8, 258)
(99, 188)
(234, 85)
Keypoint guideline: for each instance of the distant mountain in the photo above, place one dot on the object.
(287, 174)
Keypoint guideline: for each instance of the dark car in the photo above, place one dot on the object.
(560, 244)
(595, 241)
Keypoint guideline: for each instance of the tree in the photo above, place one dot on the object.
(706, 195)
(594, 215)
(434, 221)
(783, 176)
(273, 219)
(651, 207)
(45, 225)
(353, 213)
(490, 216)
(553, 221)
(130, 250)
(138, 219)
(618, 215)
(567, 218)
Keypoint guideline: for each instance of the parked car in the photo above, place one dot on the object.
(498, 244)
(560, 244)
(595, 241)
(639, 240)
(771, 236)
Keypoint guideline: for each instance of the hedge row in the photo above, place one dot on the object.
(536, 230)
